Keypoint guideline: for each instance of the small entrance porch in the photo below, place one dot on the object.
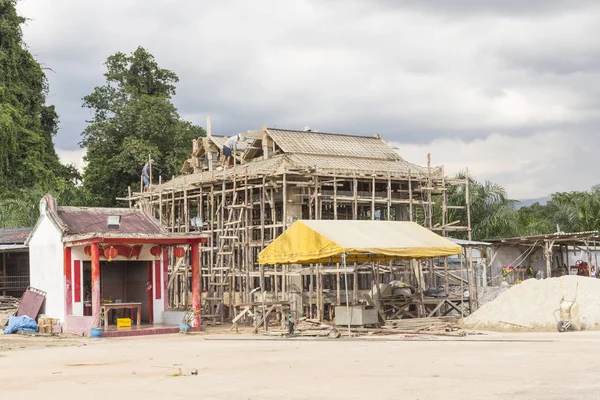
(124, 276)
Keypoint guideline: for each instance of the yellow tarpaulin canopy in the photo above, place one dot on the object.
(323, 241)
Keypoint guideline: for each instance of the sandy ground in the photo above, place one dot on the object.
(491, 366)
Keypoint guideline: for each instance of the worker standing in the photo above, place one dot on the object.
(289, 322)
(146, 175)
(229, 149)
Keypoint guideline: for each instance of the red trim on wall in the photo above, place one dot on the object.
(68, 282)
(150, 296)
(157, 280)
(77, 280)
(165, 276)
(163, 241)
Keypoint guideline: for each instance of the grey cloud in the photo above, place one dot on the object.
(556, 61)
(412, 71)
(469, 8)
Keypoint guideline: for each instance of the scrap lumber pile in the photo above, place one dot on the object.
(307, 327)
(444, 326)
(8, 308)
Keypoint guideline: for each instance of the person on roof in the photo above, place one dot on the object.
(146, 175)
(229, 148)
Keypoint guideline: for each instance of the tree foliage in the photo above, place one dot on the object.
(133, 117)
(29, 165)
(27, 124)
(494, 215)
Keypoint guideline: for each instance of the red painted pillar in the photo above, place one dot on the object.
(196, 284)
(68, 282)
(95, 281)
(165, 276)
(150, 294)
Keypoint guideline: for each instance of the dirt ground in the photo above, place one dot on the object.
(492, 366)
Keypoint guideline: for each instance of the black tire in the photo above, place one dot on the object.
(560, 326)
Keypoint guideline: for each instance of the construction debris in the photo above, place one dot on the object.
(8, 308)
(444, 326)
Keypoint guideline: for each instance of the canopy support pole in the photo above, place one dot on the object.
(346, 287)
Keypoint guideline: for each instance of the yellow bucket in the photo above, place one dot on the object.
(123, 322)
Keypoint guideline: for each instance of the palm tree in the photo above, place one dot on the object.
(493, 214)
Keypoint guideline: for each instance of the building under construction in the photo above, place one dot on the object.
(278, 177)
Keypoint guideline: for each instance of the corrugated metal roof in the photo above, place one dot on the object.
(8, 247)
(467, 243)
(82, 220)
(329, 144)
(14, 235)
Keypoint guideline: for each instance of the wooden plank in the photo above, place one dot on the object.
(264, 318)
(241, 314)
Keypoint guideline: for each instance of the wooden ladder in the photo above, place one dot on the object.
(222, 275)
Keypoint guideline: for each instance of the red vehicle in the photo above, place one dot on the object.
(581, 268)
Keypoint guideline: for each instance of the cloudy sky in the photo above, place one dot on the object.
(508, 88)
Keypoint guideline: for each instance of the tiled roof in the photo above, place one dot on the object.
(81, 220)
(361, 165)
(256, 167)
(329, 144)
(14, 235)
(279, 163)
(219, 141)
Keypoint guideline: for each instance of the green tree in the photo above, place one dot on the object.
(133, 116)
(21, 206)
(27, 124)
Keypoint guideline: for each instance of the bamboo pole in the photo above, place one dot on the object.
(212, 238)
(276, 281)
(410, 196)
(310, 292)
(173, 210)
(284, 202)
(248, 238)
(389, 198)
(472, 293)
(316, 195)
(373, 199)
(444, 231)
(150, 167)
(186, 211)
(355, 285)
(262, 214)
(321, 299)
(429, 188)
(160, 200)
(335, 208)
(355, 202)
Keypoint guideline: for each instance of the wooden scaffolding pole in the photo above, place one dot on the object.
(262, 214)
(444, 231)
(335, 209)
(472, 288)
(248, 238)
(410, 196)
(373, 198)
(160, 200)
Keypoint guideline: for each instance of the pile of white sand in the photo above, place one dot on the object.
(531, 305)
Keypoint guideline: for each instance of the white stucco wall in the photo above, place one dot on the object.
(46, 260)
(506, 255)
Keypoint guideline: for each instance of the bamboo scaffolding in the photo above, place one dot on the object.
(258, 207)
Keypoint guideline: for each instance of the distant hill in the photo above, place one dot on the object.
(529, 202)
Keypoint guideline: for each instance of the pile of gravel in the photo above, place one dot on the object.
(530, 306)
